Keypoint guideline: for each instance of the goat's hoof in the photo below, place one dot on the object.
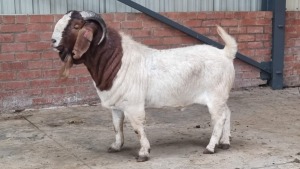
(224, 146)
(142, 158)
(112, 150)
(206, 151)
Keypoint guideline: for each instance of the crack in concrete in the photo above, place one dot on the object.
(59, 144)
(278, 164)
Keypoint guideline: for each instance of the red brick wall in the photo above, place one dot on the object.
(29, 68)
(292, 50)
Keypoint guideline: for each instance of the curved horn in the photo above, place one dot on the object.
(92, 16)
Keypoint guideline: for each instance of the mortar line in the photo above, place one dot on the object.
(76, 157)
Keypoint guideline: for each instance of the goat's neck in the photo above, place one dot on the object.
(104, 61)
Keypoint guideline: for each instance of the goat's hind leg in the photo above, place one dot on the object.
(225, 138)
(118, 119)
(218, 117)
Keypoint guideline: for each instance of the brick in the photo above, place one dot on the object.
(51, 73)
(13, 47)
(45, 36)
(171, 40)
(6, 38)
(34, 18)
(39, 27)
(229, 22)
(83, 80)
(243, 38)
(37, 46)
(79, 71)
(27, 56)
(54, 91)
(255, 45)
(27, 37)
(237, 30)
(32, 92)
(141, 33)
(193, 23)
(131, 16)
(131, 25)
(189, 40)
(247, 22)
(210, 23)
(8, 19)
(255, 29)
(47, 18)
(29, 74)
(68, 82)
(7, 76)
(215, 15)
(7, 57)
(41, 83)
(12, 28)
(10, 66)
(14, 85)
(263, 37)
(42, 101)
(260, 52)
(166, 32)
(152, 41)
(40, 64)
(108, 16)
(202, 30)
(119, 17)
(21, 19)
(201, 15)
(115, 25)
(263, 22)
(49, 54)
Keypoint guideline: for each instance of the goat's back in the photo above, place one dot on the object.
(183, 76)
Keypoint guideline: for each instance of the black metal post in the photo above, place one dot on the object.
(192, 33)
(279, 7)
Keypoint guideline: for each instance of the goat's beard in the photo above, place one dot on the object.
(65, 69)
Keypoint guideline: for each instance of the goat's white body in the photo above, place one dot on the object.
(175, 77)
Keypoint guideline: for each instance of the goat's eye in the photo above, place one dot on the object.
(76, 27)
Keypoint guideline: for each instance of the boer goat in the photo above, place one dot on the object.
(130, 76)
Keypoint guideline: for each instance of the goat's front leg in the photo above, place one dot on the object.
(218, 117)
(118, 119)
(137, 120)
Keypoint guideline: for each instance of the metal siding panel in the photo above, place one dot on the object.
(59, 6)
(169, 5)
(8, 7)
(75, 5)
(91, 5)
(111, 6)
(24, 6)
(217, 5)
(41, 7)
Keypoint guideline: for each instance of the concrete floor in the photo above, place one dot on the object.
(265, 135)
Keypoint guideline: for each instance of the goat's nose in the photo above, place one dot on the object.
(53, 40)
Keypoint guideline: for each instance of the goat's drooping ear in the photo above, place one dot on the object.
(83, 41)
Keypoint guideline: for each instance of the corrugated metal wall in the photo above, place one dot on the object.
(293, 5)
(103, 6)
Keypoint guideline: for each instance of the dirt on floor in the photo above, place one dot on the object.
(265, 135)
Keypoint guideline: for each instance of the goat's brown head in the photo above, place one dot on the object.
(73, 34)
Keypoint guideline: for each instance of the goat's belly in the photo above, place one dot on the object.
(175, 98)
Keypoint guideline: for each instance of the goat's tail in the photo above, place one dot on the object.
(230, 43)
